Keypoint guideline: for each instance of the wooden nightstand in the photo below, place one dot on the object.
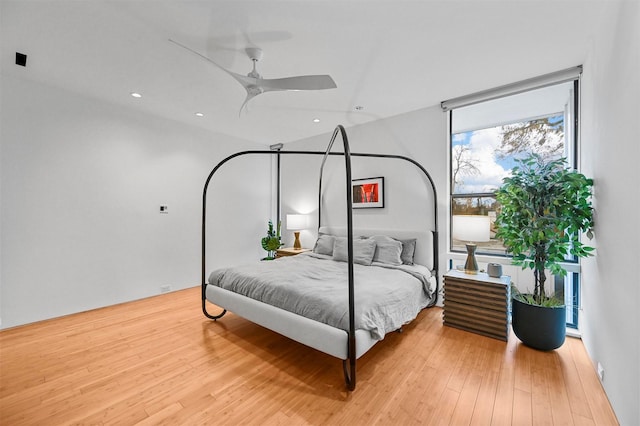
(289, 251)
(477, 303)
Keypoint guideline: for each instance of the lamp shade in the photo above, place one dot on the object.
(296, 222)
(473, 228)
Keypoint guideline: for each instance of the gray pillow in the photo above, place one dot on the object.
(388, 250)
(408, 251)
(324, 244)
(363, 250)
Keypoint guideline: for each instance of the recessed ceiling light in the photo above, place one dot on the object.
(316, 120)
(199, 114)
(136, 95)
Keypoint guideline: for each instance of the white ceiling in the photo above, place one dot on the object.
(389, 56)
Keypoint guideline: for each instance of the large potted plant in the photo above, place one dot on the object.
(544, 209)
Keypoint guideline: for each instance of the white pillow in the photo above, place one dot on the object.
(363, 250)
(388, 250)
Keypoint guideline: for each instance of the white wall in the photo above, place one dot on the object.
(82, 182)
(610, 142)
(420, 135)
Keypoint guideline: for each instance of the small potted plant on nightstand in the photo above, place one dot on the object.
(272, 241)
(545, 207)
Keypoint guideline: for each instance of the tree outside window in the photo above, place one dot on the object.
(481, 158)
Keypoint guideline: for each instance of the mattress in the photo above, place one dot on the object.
(316, 287)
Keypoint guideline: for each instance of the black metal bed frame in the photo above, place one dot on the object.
(349, 364)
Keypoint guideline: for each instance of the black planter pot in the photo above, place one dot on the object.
(537, 326)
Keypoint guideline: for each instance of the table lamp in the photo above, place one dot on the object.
(471, 229)
(297, 222)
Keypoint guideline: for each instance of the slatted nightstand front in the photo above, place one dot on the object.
(477, 303)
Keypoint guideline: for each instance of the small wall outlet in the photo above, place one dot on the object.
(164, 208)
(165, 288)
(600, 372)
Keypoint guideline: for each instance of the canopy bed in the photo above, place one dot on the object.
(345, 295)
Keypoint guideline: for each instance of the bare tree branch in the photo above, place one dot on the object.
(462, 165)
(539, 136)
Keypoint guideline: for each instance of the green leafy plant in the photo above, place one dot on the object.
(272, 241)
(545, 207)
(547, 302)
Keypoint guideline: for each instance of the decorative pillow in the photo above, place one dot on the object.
(324, 244)
(388, 250)
(408, 251)
(363, 250)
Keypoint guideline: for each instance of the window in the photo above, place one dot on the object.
(489, 131)
(488, 137)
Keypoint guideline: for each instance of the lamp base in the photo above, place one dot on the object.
(296, 243)
(471, 266)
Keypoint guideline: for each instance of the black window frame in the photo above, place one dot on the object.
(573, 277)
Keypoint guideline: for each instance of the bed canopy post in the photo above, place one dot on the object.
(350, 368)
(277, 147)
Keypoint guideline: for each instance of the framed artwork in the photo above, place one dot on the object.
(368, 193)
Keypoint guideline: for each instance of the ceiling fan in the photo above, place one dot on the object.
(255, 85)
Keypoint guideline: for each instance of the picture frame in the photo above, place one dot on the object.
(368, 193)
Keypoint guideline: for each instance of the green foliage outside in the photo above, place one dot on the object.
(544, 209)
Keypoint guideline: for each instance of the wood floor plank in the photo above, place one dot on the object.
(445, 407)
(490, 368)
(503, 403)
(483, 409)
(577, 398)
(522, 406)
(463, 411)
(160, 417)
(522, 377)
(540, 397)
(160, 361)
(558, 395)
(599, 405)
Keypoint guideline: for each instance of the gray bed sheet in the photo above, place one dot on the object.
(315, 286)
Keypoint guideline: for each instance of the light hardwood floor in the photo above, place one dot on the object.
(159, 361)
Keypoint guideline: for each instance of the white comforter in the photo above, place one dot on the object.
(315, 286)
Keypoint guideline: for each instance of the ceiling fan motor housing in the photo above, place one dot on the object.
(254, 53)
(254, 90)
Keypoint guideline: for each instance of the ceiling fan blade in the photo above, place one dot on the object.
(246, 81)
(206, 59)
(250, 95)
(303, 82)
(257, 86)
